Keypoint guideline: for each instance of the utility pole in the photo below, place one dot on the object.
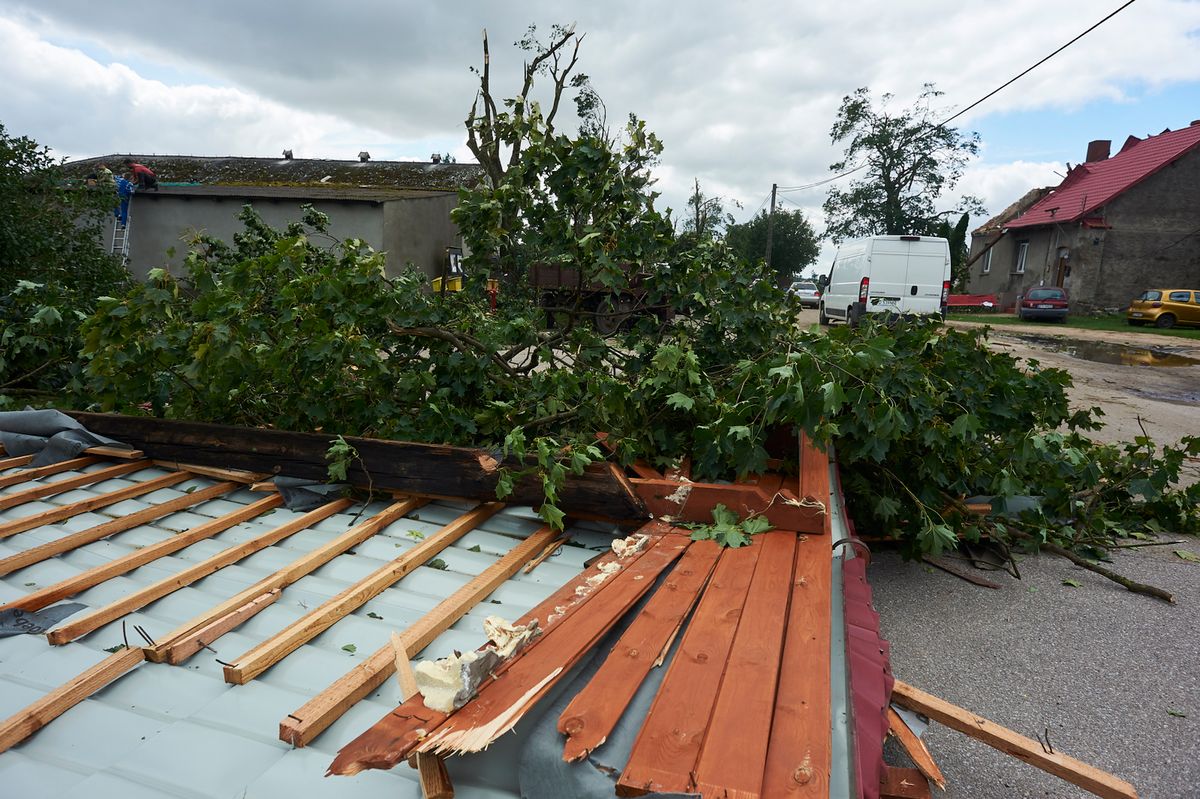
(771, 225)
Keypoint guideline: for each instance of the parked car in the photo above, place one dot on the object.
(1043, 302)
(887, 275)
(1165, 308)
(807, 293)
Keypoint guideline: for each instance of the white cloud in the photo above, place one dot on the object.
(742, 94)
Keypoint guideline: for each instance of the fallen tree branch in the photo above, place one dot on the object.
(1131, 585)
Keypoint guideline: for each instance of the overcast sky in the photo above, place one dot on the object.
(741, 93)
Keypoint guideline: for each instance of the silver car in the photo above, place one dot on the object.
(807, 293)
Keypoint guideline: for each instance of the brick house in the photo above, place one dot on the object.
(1114, 227)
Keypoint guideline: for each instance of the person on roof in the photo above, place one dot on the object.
(143, 176)
(124, 193)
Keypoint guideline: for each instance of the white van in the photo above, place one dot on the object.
(895, 275)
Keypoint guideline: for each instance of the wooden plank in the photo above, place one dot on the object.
(501, 703)
(389, 740)
(184, 646)
(431, 769)
(92, 503)
(1089, 778)
(266, 654)
(666, 749)
(813, 483)
(15, 462)
(694, 502)
(119, 453)
(799, 756)
(37, 472)
(592, 714)
(26, 722)
(915, 748)
(289, 574)
(903, 783)
(49, 549)
(160, 588)
(301, 727)
(546, 552)
(61, 486)
(643, 469)
(139, 557)
(734, 753)
(426, 469)
(236, 475)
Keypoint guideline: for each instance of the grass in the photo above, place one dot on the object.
(1114, 323)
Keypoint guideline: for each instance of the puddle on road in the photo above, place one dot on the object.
(1116, 354)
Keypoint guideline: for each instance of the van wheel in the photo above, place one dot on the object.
(1165, 320)
(822, 319)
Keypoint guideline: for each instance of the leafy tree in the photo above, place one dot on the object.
(706, 216)
(960, 248)
(793, 245)
(910, 161)
(53, 270)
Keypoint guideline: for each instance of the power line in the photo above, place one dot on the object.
(1013, 80)
(987, 96)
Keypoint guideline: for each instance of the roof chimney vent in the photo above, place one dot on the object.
(1194, 122)
(436, 158)
(364, 156)
(287, 155)
(1098, 150)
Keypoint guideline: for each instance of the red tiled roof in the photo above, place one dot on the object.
(1092, 185)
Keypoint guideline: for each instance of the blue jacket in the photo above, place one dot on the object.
(124, 189)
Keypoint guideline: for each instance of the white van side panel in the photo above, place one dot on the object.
(928, 266)
(849, 267)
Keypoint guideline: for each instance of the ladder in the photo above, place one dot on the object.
(120, 240)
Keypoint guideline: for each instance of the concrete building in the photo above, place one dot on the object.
(399, 207)
(1113, 228)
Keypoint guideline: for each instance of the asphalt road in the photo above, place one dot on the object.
(1103, 669)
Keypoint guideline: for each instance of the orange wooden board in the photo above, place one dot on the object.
(798, 756)
(391, 738)
(595, 710)
(694, 502)
(533, 672)
(735, 746)
(665, 752)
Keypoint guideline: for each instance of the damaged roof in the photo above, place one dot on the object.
(219, 619)
(310, 172)
(1090, 186)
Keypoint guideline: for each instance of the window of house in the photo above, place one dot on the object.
(987, 262)
(1022, 254)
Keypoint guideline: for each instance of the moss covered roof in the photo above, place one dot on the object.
(239, 171)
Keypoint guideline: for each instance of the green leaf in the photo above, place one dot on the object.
(681, 401)
(1187, 554)
(1179, 714)
(552, 516)
(1072, 583)
(474, 549)
(438, 563)
(374, 615)
(351, 648)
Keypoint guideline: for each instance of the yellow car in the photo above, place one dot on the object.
(1165, 308)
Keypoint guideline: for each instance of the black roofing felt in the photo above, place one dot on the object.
(239, 171)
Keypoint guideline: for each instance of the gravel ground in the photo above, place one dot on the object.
(1102, 668)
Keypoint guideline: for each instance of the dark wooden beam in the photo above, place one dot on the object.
(426, 469)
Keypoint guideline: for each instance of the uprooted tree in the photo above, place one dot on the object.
(280, 329)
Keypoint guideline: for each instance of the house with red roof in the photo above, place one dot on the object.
(1116, 226)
